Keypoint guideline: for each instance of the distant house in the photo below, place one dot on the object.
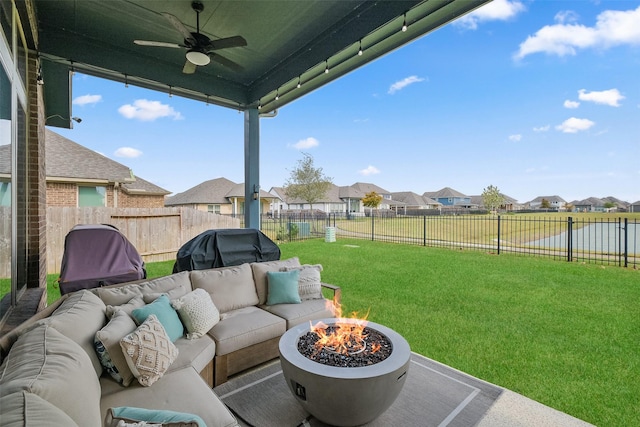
(591, 204)
(450, 198)
(620, 205)
(510, 204)
(415, 201)
(634, 207)
(219, 196)
(555, 202)
(337, 199)
(77, 176)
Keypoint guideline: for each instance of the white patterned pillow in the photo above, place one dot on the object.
(149, 351)
(309, 286)
(197, 312)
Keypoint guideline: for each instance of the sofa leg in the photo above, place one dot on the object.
(207, 374)
(220, 370)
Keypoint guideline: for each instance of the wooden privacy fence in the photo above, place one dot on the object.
(157, 233)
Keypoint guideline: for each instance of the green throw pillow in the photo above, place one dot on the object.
(166, 315)
(130, 414)
(283, 287)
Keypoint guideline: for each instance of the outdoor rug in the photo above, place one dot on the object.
(433, 395)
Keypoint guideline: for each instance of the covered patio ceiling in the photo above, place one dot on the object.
(292, 47)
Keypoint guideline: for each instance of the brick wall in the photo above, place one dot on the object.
(139, 201)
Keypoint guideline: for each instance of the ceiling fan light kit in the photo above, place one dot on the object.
(198, 57)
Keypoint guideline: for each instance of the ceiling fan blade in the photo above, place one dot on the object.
(235, 41)
(180, 27)
(189, 67)
(158, 44)
(226, 62)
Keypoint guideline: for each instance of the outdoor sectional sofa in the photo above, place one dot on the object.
(55, 370)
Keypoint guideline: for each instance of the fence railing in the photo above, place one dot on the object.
(607, 241)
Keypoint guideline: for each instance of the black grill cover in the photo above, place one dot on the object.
(98, 255)
(225, 247)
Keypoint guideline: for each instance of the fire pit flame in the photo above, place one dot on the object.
(344, 337)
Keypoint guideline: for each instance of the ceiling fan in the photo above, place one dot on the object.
(200, 49)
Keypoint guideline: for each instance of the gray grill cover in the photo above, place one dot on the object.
(98, 255)
(225, 247)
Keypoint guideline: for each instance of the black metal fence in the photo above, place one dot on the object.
(608, 241)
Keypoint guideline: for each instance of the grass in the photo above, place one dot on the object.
(564, 334)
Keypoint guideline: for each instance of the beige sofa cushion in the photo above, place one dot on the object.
(120, 325)
(181, 390)
(135, 302)
(230, 288)
(22, 409)
(295, 314)
(118, 295)
(260, 270)
(244, 327)
(79, 317)
(174, 285)
(45, 362)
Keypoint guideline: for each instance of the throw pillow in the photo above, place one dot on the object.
(309, 285)
(161, 307)
(197, 311)
(167, 418)
(149, 351)
(107, 343)
(260, 270)
(283, 287)
(132, 304)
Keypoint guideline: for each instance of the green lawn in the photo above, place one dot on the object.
(564, 334)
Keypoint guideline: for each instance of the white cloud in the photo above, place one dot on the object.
(610, 97)
(401, 84)
(306, 143)
(148, 111)
(566, 17)
(612, 28)
(87, 99)
(128, 152)
(542, 128)
(370, 170)
(574, 125)
(571, 104)
(497, 10)
(515, 138)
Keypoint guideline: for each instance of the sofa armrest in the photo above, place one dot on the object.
(337, 291)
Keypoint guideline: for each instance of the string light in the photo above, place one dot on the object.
(298, 85)
(170, 94)
(326, 68)
(277, 94)
(126, 81)
(404, 23)
(360, 49)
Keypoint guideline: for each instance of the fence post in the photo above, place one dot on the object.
(372, 226)
(569, 239)
(626, 242)
(498, 234)
(424, 230)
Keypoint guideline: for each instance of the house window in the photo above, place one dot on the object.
(5, 194)
(92, 196)
(213, 209)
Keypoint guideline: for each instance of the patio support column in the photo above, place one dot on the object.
(251, 168)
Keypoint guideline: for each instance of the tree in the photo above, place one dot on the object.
(372, 200)
(544, 204)
(492, 198)
(609, 205)
(306, 182)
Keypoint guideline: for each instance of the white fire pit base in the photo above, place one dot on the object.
(344, 396)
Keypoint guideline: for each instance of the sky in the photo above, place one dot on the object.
(537, 98)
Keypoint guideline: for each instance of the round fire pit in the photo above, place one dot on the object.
(345, 396)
